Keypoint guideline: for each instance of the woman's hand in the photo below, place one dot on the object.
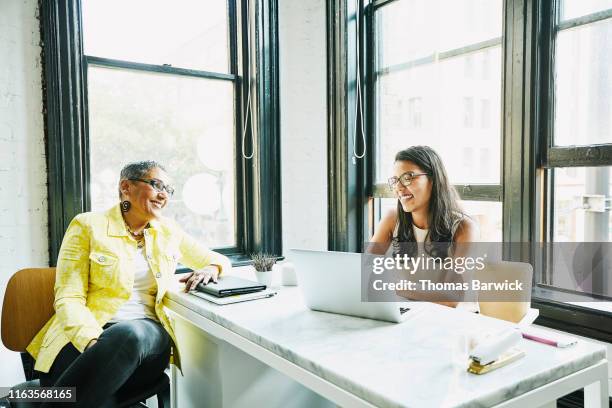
(203, 275)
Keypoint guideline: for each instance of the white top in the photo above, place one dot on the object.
(142, 302)
(419, 234)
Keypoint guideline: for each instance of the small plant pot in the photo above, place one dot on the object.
(264, 278)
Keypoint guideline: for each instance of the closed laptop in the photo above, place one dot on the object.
(230, 285)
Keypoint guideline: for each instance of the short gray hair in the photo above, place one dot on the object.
(137, 170)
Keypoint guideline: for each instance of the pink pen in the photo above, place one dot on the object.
(560, 344)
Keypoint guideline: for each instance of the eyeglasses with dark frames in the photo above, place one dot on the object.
(405, 179)
(158, 185)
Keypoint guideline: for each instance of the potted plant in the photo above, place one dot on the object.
(263, 264)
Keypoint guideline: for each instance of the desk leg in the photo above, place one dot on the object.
(173, 378)
(596, 394)
(219, 375)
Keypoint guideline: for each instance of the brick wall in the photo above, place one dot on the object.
(23, 173)
(303, 100)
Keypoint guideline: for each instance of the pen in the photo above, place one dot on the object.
(560, 344)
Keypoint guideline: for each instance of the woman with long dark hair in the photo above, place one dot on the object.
(428, 209)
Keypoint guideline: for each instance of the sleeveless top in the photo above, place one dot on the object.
(421, 235)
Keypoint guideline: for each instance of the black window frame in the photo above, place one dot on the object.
(527, 150)
(572, 318)
(253, 48)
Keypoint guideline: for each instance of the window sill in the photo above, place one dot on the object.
(236, 259)
(581, 315)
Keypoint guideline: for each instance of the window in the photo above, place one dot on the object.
(574, 100)
(468, 157)
(577, 162)
(580, 211)
(415, 112)
(468, 112)
(486, 69)
(167, 81)
(165, 95)
(535, 72)
(446, 55)
(583, 77)
(485, 113)
(468, 66)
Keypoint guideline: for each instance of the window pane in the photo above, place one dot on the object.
(414, 29)
(575, 189)
(456, 99)
(583, 110)
(182, 33)
(581, 215)
(487, 214)
(187, 124)
(576, 8)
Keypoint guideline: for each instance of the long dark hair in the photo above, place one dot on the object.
(444, 209)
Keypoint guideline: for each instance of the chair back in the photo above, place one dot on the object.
(27, 306)
(506, 308)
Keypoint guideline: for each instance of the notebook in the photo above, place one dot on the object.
(235, 298)
(230, 285)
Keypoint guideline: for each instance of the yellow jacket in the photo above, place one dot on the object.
(95, 276)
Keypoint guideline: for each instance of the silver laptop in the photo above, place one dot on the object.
(331, 282)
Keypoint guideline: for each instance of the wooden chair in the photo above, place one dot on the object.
(506, 309)
(27, 306)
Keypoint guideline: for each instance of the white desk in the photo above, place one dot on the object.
(277, 353)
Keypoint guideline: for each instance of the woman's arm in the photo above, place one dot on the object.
(71, 287)
(467, 232)
(379, 243)
(196, 256)
(207, 265)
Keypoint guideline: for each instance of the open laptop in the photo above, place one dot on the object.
(331, 282)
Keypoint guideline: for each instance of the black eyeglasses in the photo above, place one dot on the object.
(158, 185)
(405, 179)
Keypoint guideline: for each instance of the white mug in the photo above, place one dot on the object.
(289, 277)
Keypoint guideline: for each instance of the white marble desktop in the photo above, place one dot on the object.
(411, 364)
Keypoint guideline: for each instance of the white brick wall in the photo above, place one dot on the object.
(23, 174)
(303, 100)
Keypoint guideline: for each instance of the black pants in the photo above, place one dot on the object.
(128, 355)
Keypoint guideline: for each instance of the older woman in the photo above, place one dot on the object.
(110, 332)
